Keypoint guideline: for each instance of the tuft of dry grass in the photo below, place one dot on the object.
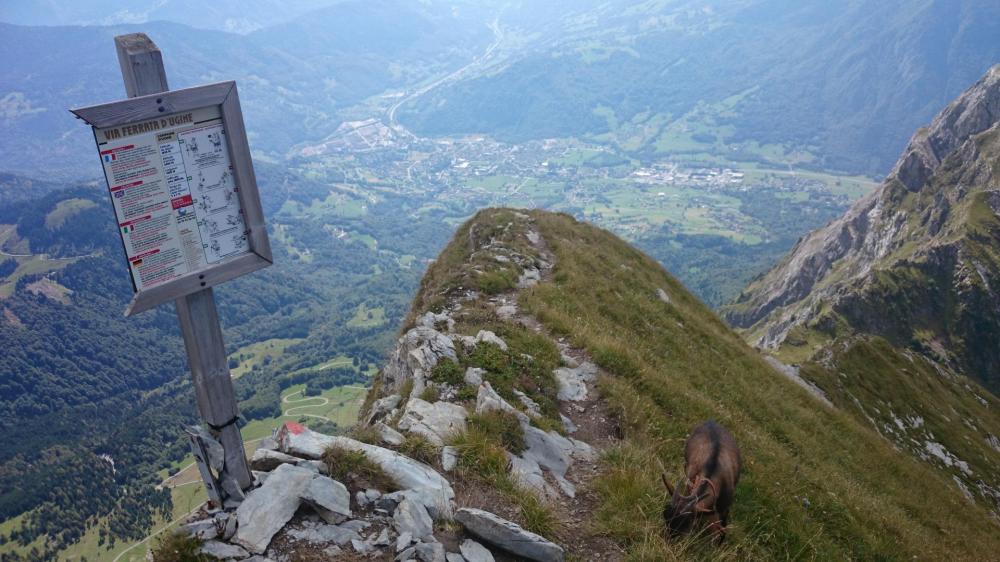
(177, 546)
(501, 427)
(349, 466)
(482, 457)
(420, 448)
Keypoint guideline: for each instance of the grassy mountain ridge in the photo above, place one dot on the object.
(818, 484)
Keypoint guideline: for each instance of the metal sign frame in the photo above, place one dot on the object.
(223, 95)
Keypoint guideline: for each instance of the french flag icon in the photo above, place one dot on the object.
(110, 157)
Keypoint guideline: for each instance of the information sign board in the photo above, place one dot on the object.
(181, 181)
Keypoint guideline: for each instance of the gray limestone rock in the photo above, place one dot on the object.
(266, 460)
(474, 376)
(204, 529)
(229, 531)
(432, 320)
(509, 536)
(266, 510)
(449, 458)
(529, 475)
(322, 533)
(529, 278)
(415, 355)
(534, 410)
(381, 407)
(361, 499)
(486, 336)
(412, 517)
(437, 422)
(424, 483)
(487, 399)
(223, 551)
(475, 552)
(267, 443)
(383, 538)
(403, 541)
(573, 381)
(568, 424)
(431, 552)
(360, 547)
(329, 498)
(388, 435)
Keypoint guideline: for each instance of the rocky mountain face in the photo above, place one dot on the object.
(438, 415)
(544, 381)
(892, 311)
(915, 261)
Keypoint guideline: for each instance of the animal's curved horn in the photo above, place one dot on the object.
(666, 483)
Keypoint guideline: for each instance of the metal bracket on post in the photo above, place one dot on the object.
(143, 73)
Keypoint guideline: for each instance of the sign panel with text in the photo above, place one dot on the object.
(183, 190)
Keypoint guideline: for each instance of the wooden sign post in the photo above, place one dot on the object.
(182, 184)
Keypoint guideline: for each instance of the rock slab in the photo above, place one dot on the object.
(509, 536)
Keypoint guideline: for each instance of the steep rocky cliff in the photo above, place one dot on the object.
(916, 261)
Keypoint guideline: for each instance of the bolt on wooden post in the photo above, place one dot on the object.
(182, 185)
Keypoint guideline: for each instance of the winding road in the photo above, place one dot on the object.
(481, 59)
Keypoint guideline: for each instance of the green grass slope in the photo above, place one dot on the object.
(818, 484)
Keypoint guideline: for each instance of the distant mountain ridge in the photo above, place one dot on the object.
(915, 261)
(844, 79)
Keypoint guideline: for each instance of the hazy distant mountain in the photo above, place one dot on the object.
(238, 16)
(847, 80)
(293, 77)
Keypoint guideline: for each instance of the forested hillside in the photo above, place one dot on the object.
(81, 385)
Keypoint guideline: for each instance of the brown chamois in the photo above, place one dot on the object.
(704, 495)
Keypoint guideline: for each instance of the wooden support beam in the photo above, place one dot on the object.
(143, 73)
(142, 65)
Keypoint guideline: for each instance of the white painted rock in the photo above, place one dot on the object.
(508, 536)
(437, 422)
(425, 483)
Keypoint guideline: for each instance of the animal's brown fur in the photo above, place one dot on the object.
(712, 467)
